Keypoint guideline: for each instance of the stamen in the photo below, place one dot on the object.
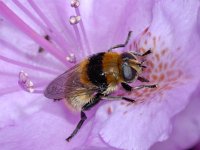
(74, 19)
(38, 22)
(9, 14)
(83, 31)
(28, 13)
(11, 47)
(75, 3)
(18, 63)
(68, 33)
(77, 33)
(26, 84)
(19, 53)
(59, 39)
(41, 25)
(71, 58)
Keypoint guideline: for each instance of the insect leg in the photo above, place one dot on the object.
(83, 118)
(121, 45)
(142, 79)
(56, 100)
(145, 86)
(129, 88)
(93, 102)
(126, 86)
(119, 98)
(87, 106)
(144, 54)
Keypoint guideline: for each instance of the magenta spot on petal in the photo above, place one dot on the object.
(124, 113)
(109, 110)
(159, 71)
(122, 103)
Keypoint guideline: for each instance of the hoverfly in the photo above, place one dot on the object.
(96, 77)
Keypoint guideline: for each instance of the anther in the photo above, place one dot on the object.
(71, 58)
(29, 86)
(74, 19)
(23, 76)
(75, 3)
(25, 83)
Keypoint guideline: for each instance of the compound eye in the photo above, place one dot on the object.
(129, 74)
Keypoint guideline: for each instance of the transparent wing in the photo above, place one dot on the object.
(57, 88)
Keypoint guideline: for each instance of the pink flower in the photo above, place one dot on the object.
(160, 116)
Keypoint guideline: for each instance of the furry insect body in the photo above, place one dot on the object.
(85, 84)
(102, 71)
(99, 73)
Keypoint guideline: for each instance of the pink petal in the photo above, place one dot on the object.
(40, 132)
(142, 125)
(118, 125)
(186, 130)
(110, 24)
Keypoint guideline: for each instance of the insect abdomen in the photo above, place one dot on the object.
(95, 71)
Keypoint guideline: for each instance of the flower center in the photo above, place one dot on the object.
(162, 67)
